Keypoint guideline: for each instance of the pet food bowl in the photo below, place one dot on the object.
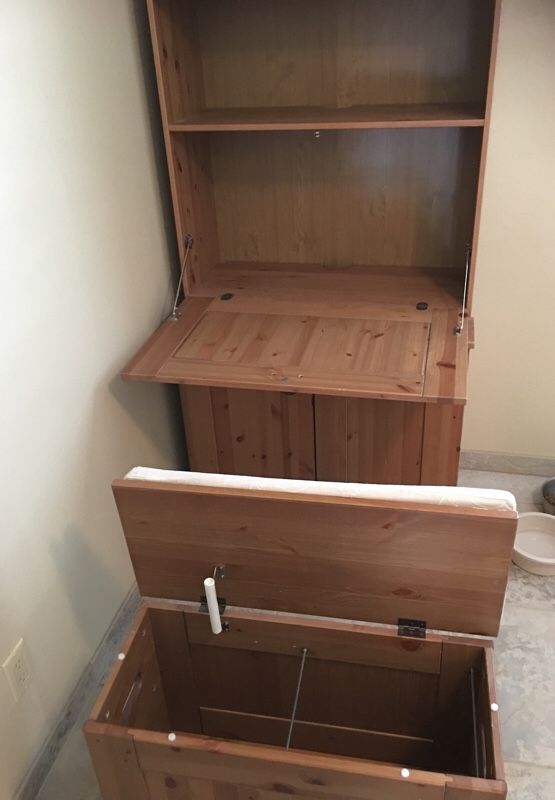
(548, 494)
(535, 543)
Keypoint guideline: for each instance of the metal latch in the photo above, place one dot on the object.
(415, 628)
(204, 605)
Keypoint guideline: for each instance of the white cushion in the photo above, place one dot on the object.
(459, 497)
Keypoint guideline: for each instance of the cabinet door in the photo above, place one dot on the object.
(368, 441)
(245, 432)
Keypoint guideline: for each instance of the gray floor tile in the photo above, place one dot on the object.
(528, 782)
(526, 488)
(530, 591)
(72, 776)
(525, 668)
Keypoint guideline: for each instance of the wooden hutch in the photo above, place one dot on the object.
(326, 160)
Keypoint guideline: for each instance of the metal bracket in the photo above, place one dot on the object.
(413, 628)
(204, 605)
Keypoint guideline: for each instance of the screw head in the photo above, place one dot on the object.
(226, 296)
(121, 656)
(421, 306)
(172, 737)
(494, 707)
(405, 773)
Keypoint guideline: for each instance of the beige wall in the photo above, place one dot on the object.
(84, 278)
(512, 381)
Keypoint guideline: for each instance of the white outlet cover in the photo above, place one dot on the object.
(17, 670)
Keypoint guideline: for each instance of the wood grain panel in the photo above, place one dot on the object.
(117, 769)
(332, 53)
(133, 693)
(441, 444)
(273, 771)
(171, 643)
(347, 197)
(270, 434)
(368, 441)
(333, 739)
(337, 641)
(444, 565)
(356, 695)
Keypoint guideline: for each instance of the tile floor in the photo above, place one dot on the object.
(525, 666)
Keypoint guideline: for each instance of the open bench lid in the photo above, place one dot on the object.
(353, 551)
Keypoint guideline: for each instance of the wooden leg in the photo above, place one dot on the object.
(441, 444)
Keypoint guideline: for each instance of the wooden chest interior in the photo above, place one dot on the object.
(379, 714)
(366, 694)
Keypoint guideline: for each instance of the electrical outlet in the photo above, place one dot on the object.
(17, 670)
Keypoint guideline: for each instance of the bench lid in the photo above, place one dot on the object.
(354, 551)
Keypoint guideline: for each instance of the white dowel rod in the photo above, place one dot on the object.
(212, 603)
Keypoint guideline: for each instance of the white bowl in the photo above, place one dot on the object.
(535, 543)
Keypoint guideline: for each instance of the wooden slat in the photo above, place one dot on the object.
(117, 769)
(490, 719)
(198, 417)
(444, 565)
(169, 633)
(441, 444)
(439, 115)
(368, 441)
(496, 6)
(274, 770)
(333, 739)
(337, 641)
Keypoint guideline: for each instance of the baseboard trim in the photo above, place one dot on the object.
(507, 462)
(81, 699)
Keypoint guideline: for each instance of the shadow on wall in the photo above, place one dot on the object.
(138, 399)
(85, 579)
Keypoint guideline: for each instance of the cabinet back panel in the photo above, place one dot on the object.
(333, 692)
(387, 197)
(343, 52)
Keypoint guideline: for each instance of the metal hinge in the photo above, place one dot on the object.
(204, 605)
(415, 628)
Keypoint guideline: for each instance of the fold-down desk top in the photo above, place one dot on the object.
(354, 332)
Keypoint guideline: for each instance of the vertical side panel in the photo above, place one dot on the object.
(198, 419)
(483, 157)
(441, 444)
(169, 631)
(115, 762)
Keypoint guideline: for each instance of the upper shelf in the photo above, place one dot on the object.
(291, 118)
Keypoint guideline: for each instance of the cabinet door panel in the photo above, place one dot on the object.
(368, 441)
(244, 432)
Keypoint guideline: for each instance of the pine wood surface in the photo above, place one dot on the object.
(356, 559)
(275, 333)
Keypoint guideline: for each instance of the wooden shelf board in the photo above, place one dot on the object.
(444, 115)
(353, 332)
